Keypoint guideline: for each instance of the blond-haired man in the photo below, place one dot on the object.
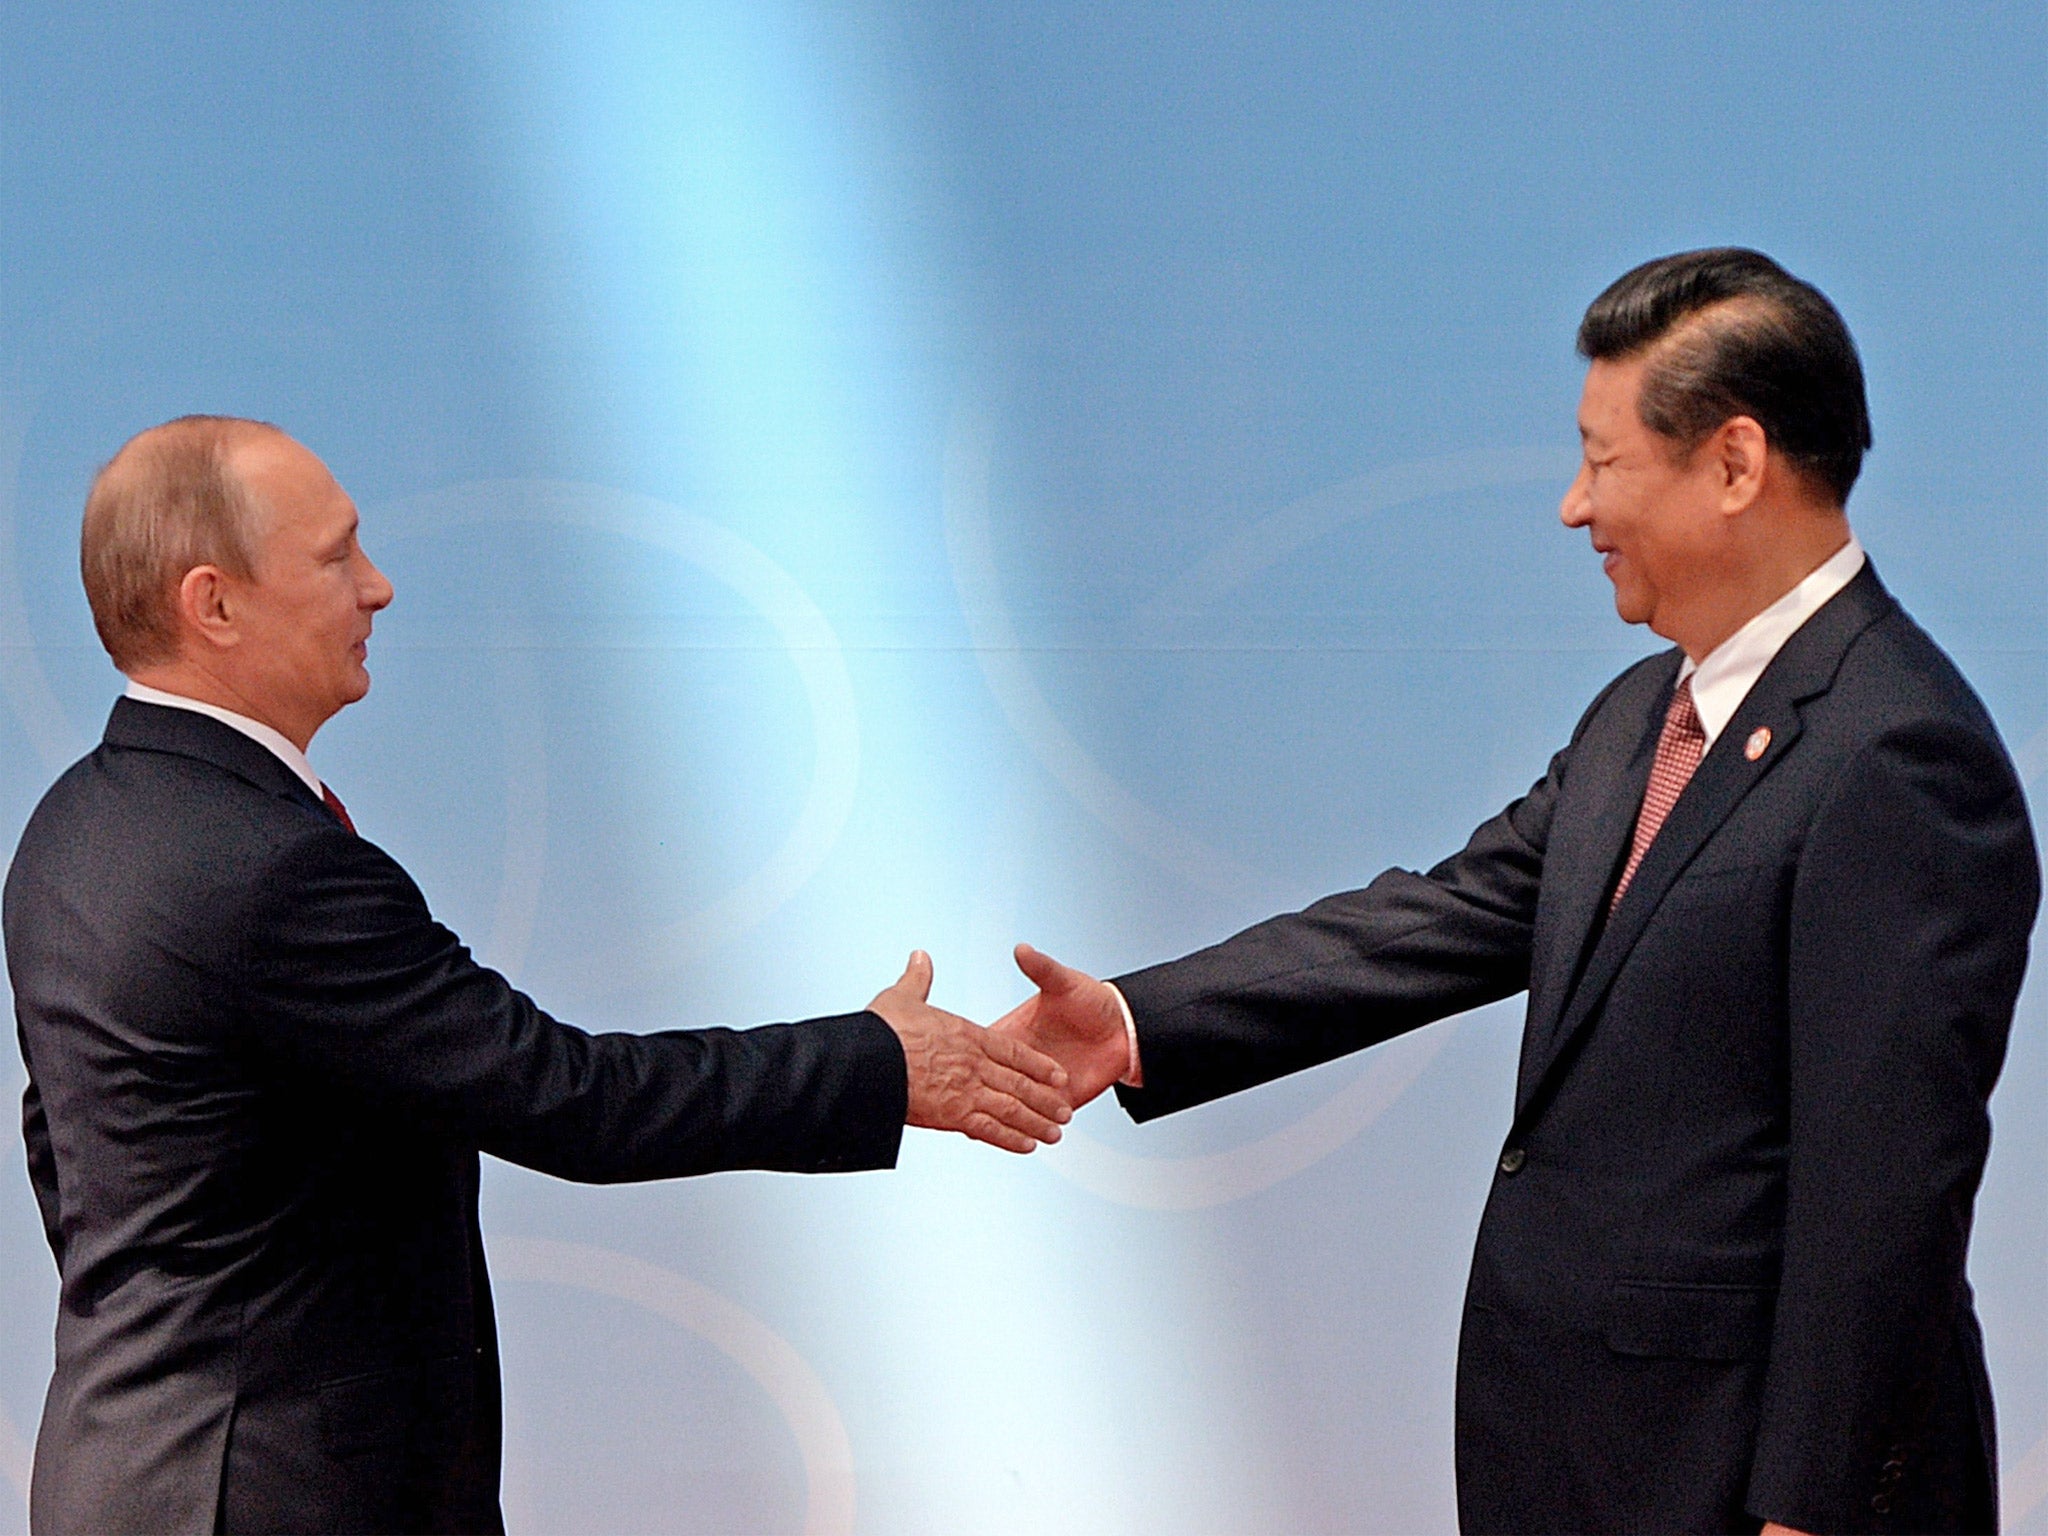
(260, 1073)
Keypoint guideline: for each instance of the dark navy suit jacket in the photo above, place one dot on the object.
(1720, 1277)
(259, 1077)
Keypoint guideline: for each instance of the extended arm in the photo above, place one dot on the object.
(1915, 897)
(1348, 972)
(1296, 990)
(355, 985)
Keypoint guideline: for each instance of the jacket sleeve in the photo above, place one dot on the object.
(353, 984)
(42, 1162)
(1911, 911)
(1349, 971)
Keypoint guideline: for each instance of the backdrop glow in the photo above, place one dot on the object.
(859, 478)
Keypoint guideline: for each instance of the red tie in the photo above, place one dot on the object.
(1679, 750)
(341, 811)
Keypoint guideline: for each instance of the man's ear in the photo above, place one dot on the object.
(1740, 449)
(208, 607)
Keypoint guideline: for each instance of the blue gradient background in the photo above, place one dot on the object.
(864, 477)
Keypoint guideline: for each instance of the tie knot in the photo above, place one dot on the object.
(1682, 718)
(334, 804)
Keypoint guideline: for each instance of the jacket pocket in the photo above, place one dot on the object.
(1668, 1320)
(389, 1407)
(1717, 884)
(360, 1413)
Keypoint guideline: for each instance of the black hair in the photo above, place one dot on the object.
(1764, 344)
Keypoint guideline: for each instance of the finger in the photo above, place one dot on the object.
(1018, 1116)
(916, 979)
(987, 1128)
(1044, 1101)
(1046, 973)
(1011, 1052)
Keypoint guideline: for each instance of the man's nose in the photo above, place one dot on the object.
(1576, 509)
(377, 590)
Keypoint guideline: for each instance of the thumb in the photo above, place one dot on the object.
(1044, 972)
(917, 976)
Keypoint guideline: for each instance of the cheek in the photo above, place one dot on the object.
(338, 607)
(1615, 506)
(1643, 511)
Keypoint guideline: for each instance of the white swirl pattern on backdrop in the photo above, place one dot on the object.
(807, 637)
(782, 1373)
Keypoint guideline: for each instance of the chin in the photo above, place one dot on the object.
(1632, 607)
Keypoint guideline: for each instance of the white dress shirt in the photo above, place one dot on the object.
(263, 735)
(1719, 684)
(1723, 680)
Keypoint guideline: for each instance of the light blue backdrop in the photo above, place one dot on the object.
(864, 477)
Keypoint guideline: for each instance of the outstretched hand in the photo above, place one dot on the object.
(1072, 1018)
(964, 1078)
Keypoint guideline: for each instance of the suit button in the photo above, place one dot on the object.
(1511, 1160)
(1881, 1504)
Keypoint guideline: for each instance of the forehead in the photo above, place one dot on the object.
(297, 490)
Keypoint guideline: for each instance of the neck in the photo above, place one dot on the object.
(1782, 558)
(188, 679)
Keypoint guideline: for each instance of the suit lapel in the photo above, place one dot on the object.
(1803, 668)
(1580, 868)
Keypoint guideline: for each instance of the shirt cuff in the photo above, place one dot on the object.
(1134, 1074)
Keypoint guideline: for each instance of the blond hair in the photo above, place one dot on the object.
(170, 500)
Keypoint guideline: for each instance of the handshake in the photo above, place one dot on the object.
(1016, 1082)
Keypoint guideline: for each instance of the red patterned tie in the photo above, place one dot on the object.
(341, 811)
(1679, 750)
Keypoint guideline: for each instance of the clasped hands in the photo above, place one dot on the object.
(1016, 1082)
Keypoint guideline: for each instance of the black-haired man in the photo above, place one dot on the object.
(1771, 906)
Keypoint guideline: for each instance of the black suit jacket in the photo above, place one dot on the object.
(259, 1077)
(1720, 1277)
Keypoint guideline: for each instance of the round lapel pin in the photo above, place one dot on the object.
(1758, 744)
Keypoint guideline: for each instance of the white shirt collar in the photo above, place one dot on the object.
(1723, 680)
(255, 730)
